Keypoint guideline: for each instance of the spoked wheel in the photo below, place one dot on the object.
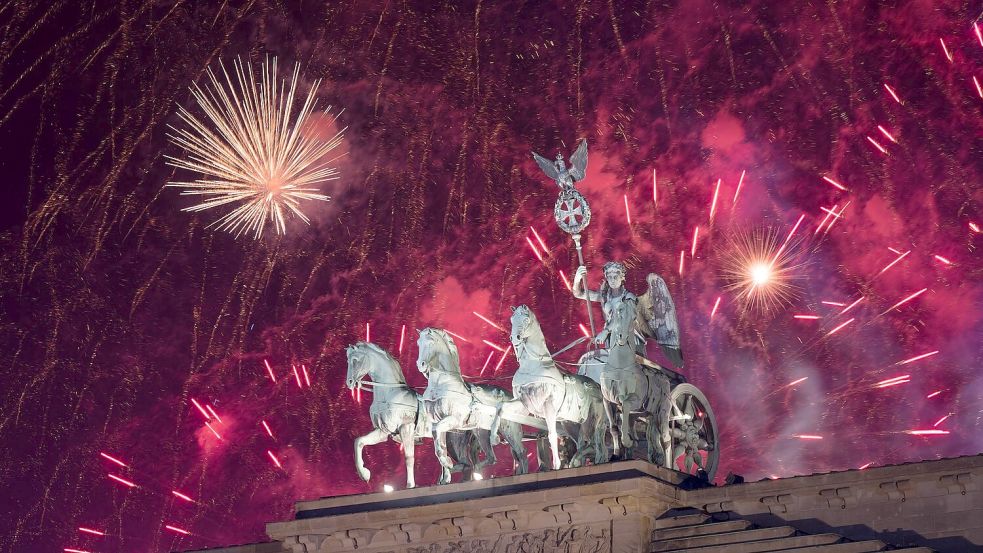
(693, 444)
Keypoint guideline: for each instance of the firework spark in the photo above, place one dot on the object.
(251, 150)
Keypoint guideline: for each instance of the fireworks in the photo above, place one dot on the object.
(838, 327)
(761, 270)
(251, 150)
(123, 481)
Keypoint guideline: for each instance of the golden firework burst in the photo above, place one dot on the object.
(251, 150)
(761, 267)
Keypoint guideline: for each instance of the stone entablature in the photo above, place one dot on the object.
(613, 508)
(572, 510)
(934, 503)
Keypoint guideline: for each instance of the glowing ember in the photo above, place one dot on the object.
(893, 381)
(122, 480)
(945, 50)
(942, 260)
(535, 251)
(269, 369)
(834, 183)
(267, 427)
(487, 361)
(713, 203)
(214, 414)
(893, 263)
(831, 332)
(713, 311)
(926, 432)
(91, 531)
(933, 394)
(201, 409)
(113, 459)
(892, 93)
(807, 437)
(487, 320)
(886, 134)
(740, 183)
(502, 359)
(566, 281)
(274, 459)
(182, 496)
(177, 530)
(877, 145)
(803, 379)
(852, 305)
(655, 190)
(494, 345)
(917, 357)
(213, 430)
(806, 317)
(627, 211)
(539, 239)
(940, 421)
(458, 336)
(906, 300)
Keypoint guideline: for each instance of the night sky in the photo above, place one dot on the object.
(118, 308)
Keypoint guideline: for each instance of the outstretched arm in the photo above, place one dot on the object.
(580, 290)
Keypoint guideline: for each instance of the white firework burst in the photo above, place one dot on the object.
(251, 151)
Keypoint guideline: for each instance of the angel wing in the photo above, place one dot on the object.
(579, 162)
(546, 165)
(656, 318)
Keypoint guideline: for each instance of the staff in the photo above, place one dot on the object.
(572, 213)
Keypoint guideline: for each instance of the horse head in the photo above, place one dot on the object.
(522, 321)
(366, 358)
(357, 367)
(437, 352)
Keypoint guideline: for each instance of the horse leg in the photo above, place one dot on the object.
(376, 436)
(609, 408)
(440, 429)
(520, 462)
(485, 443)
(542, 452)
(553, 437)
(626, 431)
(407, 435)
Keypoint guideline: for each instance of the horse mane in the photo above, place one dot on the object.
(386, 356)
(533, 320)
(451, 346)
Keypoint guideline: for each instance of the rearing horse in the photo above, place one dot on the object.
(629, 387)
(455, 405)
(545, 391)
(396, 412)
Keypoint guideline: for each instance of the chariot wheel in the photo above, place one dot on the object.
(693, 441)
